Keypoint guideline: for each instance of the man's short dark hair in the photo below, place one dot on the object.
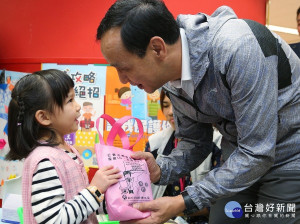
(140, 20)
(298, 11)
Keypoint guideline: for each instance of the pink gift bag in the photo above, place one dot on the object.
(135, 185)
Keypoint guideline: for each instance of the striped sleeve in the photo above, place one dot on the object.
(48, 198)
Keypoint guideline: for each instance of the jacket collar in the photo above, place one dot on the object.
(200, 35)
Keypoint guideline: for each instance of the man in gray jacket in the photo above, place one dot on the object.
(223, 71)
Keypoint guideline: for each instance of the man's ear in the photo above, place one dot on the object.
(43, 117)
(158, 46)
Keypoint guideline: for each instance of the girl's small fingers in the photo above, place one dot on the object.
(112, 171)
(117, 176)
(114, 176)
(104, 168)
(113, 181)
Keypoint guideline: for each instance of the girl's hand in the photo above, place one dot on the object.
(105, 177)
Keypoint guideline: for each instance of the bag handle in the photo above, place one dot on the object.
(118, 126)
(121, 132)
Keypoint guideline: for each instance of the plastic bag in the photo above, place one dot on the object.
(135, 185)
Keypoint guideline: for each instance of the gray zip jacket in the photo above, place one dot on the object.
(247, 83)
(159, 140)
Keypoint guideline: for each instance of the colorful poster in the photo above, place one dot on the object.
(8, 169)
(11, 78)
(90, 90)
(124, 99)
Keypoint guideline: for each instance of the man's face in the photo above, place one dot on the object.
(142, 72)
(298, 24)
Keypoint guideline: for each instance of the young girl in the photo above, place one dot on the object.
(55, 186)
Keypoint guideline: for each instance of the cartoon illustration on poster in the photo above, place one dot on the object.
(153, 104)
(125, 95)
(89, 93)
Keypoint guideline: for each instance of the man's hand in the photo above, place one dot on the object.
(162, 209)
(153, 168)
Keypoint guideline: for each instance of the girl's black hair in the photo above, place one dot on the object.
(41, 90)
